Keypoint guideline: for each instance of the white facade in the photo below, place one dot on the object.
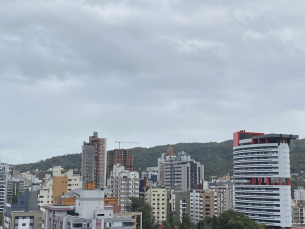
(46, 190)
(262, 177)
(123, 184)
(299, 194)
(150, 172)
(91, 213)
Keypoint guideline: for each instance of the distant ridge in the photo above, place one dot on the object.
(216, 157)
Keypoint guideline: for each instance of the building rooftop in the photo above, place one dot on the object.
(291, 136)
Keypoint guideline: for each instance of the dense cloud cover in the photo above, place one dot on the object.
(153, 72)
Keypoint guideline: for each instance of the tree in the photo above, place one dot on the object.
(138, 204)
(231, 220)
(171, 222)
(187, 223)
(15, 199)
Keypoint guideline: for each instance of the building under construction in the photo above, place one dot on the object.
(120, 156)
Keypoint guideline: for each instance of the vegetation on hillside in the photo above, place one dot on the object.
(217, 158)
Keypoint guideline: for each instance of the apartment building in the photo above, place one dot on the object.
(3, 185)
(299, 193)
(24, 214)
(298, 214)
(161, 166)
(157, 199)
(262, 177)
(58, 184)
(94, 161)
(88, 212)
(203, 203)
(178, 202)
(183, 171)
(123, 184)
(14, 186)
(225, 195)
(120, 156)
(151, 173)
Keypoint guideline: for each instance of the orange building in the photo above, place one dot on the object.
(111, 201)
(120, 156)
(68, 201)
(60, 187)
(89, 186)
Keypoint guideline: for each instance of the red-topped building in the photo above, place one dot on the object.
(262, 177)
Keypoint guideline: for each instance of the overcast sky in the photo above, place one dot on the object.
(153, 72)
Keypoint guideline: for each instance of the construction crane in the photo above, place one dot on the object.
(124, 142)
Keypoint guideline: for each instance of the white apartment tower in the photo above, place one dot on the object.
(94, 161)
(262, 177)
(123, 184)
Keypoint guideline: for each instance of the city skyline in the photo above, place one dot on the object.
(150, 72)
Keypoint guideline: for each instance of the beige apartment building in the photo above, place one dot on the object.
(157, 198)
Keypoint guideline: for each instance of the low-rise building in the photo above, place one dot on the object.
(24, 214)
(298, 214)
(57, 185)
(88, 212)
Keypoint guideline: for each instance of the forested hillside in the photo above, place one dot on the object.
(216, 157)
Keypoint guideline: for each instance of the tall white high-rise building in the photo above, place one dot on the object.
(262, 177)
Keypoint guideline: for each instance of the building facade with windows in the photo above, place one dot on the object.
(3, 185)
(94, 161)
(88, 212)
(203, 203)
(262, 177)
(225, 195)
(151, 173)
(299, 193)
(24, 214)
(157, 199)
(119, 156)
(123, 184)
(183, 171)
(58, 184)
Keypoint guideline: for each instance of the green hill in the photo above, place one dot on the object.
(216, 157)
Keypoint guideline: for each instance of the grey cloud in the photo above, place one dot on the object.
(154, 72)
